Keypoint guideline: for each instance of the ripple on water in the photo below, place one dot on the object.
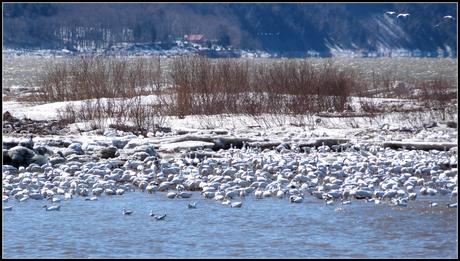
(261, 228)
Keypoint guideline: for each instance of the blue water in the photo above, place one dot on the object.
(261, 228)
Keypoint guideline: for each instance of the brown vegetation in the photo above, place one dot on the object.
(192, 85)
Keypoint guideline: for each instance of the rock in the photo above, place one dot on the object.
(59, 143)
(282, 146)
(13, 170)
(451, 124)
(108, 152)
(134, 143)
(227, 142)
(43, 150)
(28, 143)
(431, 124)
(74, 148)
(57, 160)
(6, 158)
(39, 160)
(119, 143)
(140, 155)
(185, 145)
(149, 149)
(8, 144)
(7, 116)
(20, 156)
(415, 145)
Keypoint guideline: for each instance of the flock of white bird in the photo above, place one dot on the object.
(371, 173)
(445, 18)
(398, 15)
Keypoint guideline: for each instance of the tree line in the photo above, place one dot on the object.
(293, 27)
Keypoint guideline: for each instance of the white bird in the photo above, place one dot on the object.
(390, 12)
(91, 199)
(346, 202)
(280, 194)
(67, 196)
(157, 217)
(171, 194)
(403, 15)
(52, 208)
(236, 204)
(376, 201)
(446, 18)
(192, 204)
(127, 212)
(433, 204)
(219, 197)
(160, 217)
(259, 194)
(295, 199)
(184, 194)
(55, 200)
(401, 202)
(9, 208)
(453, 205)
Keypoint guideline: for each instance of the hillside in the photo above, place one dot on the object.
(286, 29)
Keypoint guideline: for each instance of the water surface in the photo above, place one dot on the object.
(269, 227)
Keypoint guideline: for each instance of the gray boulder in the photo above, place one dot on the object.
(43, 150)
(21, 156)
(40, 160)
(57, 160)
(109, 152)
(13, 170)
(28, 143)
(74, 148)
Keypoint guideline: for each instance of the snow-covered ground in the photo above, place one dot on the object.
(395, 126)
(385, 158)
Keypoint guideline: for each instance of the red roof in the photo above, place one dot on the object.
(193, 37)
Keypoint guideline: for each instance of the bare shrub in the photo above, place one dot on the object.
(284, 88)
(370, 107)
(439, 92)
(96, 77)
(68, 114)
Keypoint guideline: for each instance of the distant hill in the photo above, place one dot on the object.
(280, 28)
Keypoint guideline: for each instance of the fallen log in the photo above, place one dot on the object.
(416, 145)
